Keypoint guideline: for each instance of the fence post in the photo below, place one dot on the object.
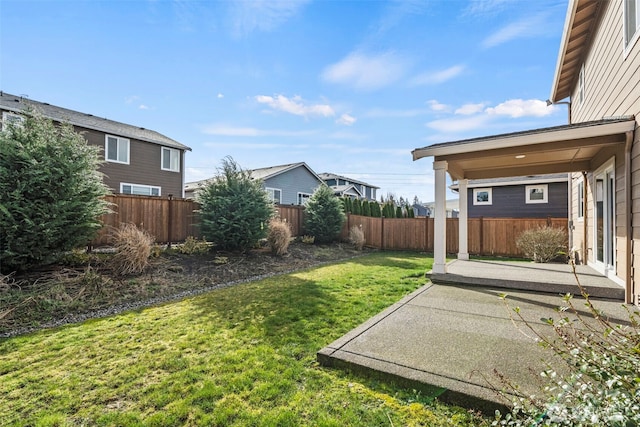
(481, 235)
(426, 233)
(382, 233)
(169, 221)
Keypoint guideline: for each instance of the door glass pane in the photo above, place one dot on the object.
(600, 219)
(610, 219)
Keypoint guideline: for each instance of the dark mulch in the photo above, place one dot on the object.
(86, 286)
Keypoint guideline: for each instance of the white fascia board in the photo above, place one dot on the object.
(568, 24)
(601, 129)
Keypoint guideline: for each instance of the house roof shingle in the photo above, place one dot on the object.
(18, 104)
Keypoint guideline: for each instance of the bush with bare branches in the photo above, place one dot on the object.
(279, 237)
(133, 248)
(543, 244)
(356, 237)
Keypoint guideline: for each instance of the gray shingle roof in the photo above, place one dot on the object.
(325, 176)
(88, 121)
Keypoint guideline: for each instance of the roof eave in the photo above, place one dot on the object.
(568, 24)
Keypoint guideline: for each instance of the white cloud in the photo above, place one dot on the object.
(468, 109)
(484, 7)
(520, 108)
(142, 107)
(382, 112)
(437, 77)
(220, 96)
(437, 106)
(457, 125)
(131, 99)
(366, 72)
(531, 26)
(224, 130)
(295, 106)
(248, 16)
(346, 120)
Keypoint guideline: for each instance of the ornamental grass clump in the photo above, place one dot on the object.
(133, 248)
(356, 237)
(602, 386)
(193, 246)
(543, 244)
(279, 237)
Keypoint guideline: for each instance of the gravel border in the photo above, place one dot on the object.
(136, 305)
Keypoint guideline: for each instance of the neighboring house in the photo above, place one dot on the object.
(537, 196)
(452, 208)
(420, 210)
(598, 72)
(291, 184)
(344, 186)
(136, 160)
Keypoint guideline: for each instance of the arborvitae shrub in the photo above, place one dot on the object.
(399, 213)
(366, 208)
(234, 209)
(410, 212)
(324, 216)
(279, 236)
(133, 248)
(357, 207)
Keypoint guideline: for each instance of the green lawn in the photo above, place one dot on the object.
(241, 356)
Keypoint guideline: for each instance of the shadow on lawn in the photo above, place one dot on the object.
(285, 309)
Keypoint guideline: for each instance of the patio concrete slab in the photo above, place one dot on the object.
(447, 341)
(524, 275)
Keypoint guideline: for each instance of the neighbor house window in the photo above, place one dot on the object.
(631, 22)
(303, 198)
(8, 118)
(116, 149)
(170, 159)
(275, 194)
(481, 196)
(139, 190)
(537, 193)
(581, 199)
(580, 94)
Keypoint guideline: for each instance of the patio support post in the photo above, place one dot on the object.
(463, 250)
(440, 218)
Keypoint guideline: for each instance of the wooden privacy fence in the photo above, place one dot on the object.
(168, 220)
(486, 236)
(173, 220)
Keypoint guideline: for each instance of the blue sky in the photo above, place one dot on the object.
(349, 87)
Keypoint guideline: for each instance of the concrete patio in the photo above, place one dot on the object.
(447, 339)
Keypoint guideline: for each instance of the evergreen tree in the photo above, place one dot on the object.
(234, 209)
(324, 216)
(357, 207)
(399, 213)
(51, 193)
(410, 212)
(366, 208)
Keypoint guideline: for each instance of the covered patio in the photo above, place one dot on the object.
(562, 149)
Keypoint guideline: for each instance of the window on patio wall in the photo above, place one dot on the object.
(482, 196)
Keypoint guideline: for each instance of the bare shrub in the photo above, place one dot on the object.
(133, 248)
(543, 244)
(279, 237)
(356, 237)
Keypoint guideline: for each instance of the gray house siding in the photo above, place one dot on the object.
(298, 180)
(509, 202)
(144, 166)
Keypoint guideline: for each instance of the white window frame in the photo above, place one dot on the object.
(172, 152)
(545, 194)
(272, 194)
(119, 140)
(580, 198)
(9, 117)
(148, 187)
(581, 93)
(303, 198)
(477, 202)
(631, 24)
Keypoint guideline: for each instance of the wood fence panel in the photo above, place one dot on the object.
(371, 227)
(294, 215)
(150, 214)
